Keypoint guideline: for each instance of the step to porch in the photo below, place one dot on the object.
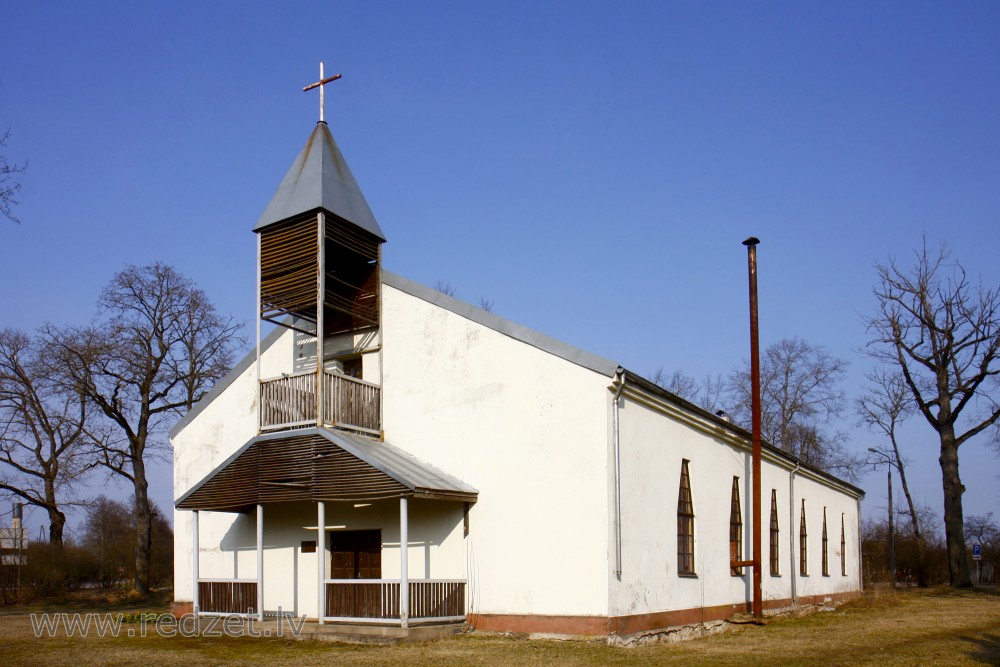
(350, 633)
(380, 634)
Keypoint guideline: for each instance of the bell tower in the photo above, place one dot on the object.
(318, 272)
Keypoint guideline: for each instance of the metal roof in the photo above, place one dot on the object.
(416, 474)
(320, 179)
(319, 464)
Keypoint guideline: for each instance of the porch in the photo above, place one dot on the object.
(348, 601)
(345, 514)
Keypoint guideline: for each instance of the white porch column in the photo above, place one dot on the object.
(321, 560)
(195, 548)
(404, 573)
(260, 562)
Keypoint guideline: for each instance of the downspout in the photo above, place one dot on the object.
(793, 573)
(618, 475)
(861, 572)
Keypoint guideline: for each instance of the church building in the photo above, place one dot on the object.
(391, 456)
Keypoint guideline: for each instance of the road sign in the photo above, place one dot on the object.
(977, 551)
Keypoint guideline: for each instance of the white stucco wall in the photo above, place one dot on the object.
(528, 429)
(222, 426)
(525, 427)
(819, 497)
(653, 444)
(532, 432)
(228, 541)
(365, 344)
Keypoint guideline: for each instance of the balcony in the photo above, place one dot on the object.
(290, 402)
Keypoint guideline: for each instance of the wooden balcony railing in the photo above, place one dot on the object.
(352, 402)
(290, 401)
(227, 596)
(378, 600)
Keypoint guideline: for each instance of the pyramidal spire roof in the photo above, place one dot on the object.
(320, 179)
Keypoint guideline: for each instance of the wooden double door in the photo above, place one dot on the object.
(356, 554)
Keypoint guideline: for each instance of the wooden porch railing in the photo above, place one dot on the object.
(227, 596)
(290, 401)
(378, 599)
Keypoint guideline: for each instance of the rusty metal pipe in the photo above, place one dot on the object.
(758, 601)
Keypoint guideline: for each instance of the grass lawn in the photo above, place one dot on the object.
(932, 627)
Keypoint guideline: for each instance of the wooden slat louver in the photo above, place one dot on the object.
(288, 258)
(297, 467)
(289, 254)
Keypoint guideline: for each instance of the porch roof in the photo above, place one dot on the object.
(319, 464)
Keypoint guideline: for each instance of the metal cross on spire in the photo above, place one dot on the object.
(319, 84)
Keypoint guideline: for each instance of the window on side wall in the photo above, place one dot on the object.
(826, 548)
(735, 529)
(843, 548)
(775, 561)
(685, 524)
(803, 542)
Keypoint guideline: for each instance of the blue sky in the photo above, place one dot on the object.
(590, 167)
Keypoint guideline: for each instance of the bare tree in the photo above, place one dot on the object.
(156, 349)
(984, 531)
(486, 304)
(943, 334)
(678, 382)
(712, 394)
(875, 533)
(42, 430)
(109, 535)
(885, 406)
(8, 181)
(707, 394)
(800, 398)
(444, 287)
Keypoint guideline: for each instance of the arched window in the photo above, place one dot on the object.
(826, 548)
(803, 542)
(735, 529)
(685, 524)
(843, 548)
(775, 570)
